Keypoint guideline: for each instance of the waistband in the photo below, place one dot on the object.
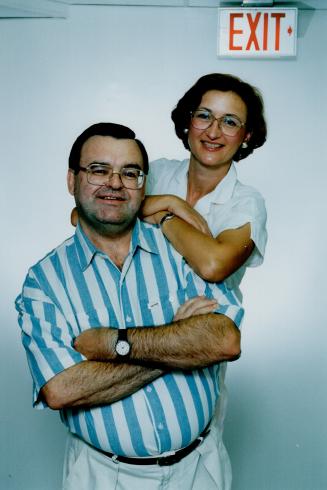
(172, 458)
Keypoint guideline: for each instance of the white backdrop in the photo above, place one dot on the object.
(130, 65)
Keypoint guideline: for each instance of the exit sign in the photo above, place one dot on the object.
(257, 32)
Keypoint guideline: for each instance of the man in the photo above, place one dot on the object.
(123, 338)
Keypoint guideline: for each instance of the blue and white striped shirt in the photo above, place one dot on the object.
(76, 287)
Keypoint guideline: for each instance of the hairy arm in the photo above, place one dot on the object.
(191, 343)
(188, 233)
(188, 343)
(91, 383)
(62, 376)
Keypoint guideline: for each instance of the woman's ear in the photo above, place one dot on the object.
(247, 137)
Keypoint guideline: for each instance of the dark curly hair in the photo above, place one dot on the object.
(251, 96)
(117, 131)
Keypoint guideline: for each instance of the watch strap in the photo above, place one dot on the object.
(166, 217)
(122, 334)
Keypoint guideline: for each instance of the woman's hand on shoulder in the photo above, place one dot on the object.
(154, 208)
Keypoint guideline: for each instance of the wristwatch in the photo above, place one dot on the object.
(166, 217)
(122, 347)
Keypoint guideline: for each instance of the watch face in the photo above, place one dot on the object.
(122, 348)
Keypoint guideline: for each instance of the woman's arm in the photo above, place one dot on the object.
(155, 207)
(213, 259)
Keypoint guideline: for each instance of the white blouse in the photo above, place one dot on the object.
(230, 205)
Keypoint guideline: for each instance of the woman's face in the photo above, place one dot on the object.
(211, 147)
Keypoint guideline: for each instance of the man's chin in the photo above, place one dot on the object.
(109, 226)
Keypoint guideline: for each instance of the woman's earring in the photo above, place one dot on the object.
(244, 145)
(185, 131)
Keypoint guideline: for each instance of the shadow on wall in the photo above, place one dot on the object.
(37, 435)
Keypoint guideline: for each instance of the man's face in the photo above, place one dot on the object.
(111, 208)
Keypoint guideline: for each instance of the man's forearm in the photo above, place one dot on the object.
(190, 343)
(92, 383)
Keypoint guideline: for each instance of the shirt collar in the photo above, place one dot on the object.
(224, 190)
(181, 174)
(84, 248)
(142, 237)
(180, 178)
(221, 193)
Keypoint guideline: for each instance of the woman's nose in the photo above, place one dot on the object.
(213, 131)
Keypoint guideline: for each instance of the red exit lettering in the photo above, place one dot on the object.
(253, 22)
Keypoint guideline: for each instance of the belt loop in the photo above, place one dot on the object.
(114, 459)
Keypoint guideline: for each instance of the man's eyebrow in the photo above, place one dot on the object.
(109, 164)
(133, 165)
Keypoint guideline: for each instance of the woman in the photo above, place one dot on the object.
(214, 221)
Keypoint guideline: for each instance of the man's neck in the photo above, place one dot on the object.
(115, 245)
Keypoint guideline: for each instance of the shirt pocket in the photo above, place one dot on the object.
(160, 309)
(93, 318)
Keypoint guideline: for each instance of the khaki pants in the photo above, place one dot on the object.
(206, 468)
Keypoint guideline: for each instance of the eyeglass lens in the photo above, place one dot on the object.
(229, 124)
(132, 178)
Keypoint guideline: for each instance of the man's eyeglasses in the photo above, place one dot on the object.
(229, 124)
(101, 173)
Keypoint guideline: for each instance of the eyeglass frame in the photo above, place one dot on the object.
(218, 119)
(118, 172)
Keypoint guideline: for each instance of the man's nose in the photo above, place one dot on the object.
(115, 181)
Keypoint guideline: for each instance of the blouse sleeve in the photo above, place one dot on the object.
(250, 209)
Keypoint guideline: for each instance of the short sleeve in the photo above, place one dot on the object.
(46, 336)
(250, 209)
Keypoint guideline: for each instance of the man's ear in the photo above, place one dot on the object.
(71, 181)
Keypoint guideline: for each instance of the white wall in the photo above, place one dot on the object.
(130, 65)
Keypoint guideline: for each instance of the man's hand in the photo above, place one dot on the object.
(196, 306)
(97, 344)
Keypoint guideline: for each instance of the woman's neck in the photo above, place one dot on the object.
(203, 180)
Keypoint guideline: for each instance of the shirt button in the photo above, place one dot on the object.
(148, 389)
(160, 426)
(128, 319)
